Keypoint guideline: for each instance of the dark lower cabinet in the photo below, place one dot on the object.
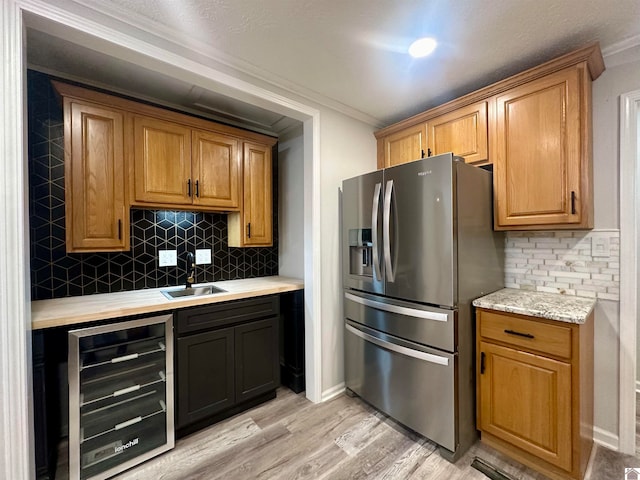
(205, 383)
(256, 359)
(227, 360)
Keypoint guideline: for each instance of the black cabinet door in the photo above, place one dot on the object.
(205, 375)
(257, 360)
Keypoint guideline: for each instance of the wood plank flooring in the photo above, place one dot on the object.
(344, 438)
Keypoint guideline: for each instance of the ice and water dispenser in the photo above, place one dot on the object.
(360, 252)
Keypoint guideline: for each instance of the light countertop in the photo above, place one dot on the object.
(552, 306)
(73, 310)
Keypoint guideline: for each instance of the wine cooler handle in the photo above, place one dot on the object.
(117, 393)
(128, 422)
(124, 358)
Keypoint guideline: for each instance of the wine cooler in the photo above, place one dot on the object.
(120, 396)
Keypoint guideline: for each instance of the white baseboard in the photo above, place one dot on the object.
(606, 439)
(333, 392)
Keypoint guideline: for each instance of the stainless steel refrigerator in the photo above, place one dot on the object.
(417, 247)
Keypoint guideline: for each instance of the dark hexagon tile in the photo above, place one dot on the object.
(150, 216)
(89, 286)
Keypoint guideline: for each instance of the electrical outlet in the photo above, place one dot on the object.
(203, 256)
(600, 247)
(167, 258)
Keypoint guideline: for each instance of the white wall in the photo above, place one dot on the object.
(348, 149)
(291, 204)
(622, 75)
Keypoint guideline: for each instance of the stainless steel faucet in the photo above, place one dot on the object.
(191, 270)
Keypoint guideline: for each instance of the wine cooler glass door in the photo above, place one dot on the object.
(120, 395)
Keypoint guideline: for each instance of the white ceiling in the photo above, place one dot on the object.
(349, 53)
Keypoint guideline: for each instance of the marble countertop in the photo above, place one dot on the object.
(552, 306)
(73, 310)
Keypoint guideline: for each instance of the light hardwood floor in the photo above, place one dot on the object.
(344, 438)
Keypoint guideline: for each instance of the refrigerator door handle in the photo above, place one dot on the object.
(428, 357)
(386, 232)
(374, 230)
(410, 312)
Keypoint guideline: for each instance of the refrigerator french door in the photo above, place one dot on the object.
(399, 231)
(418, 247)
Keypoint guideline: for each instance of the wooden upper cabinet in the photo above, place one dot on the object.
(462, 131)
(404, 146)
(534, 127)
(217, 170)
(177, 165)
(97, 217)
(162, 161)
(542, 166)
(253, 226)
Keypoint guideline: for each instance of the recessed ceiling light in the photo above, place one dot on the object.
(422, 47)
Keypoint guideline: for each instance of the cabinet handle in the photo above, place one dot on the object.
(421, 153)
(513, 332)
(573, 202)
(482, 362)
(428, 152)
(189, 188)
(119, 229)
(197, 188)
(249, 230)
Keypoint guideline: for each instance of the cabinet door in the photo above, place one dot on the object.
(538, 155)
(205, 375)
(216, 170)
(463, 132)
(525, 399)
(405, 146)
(97, 219)
(253, 227)
(257, 358)
(162, 161)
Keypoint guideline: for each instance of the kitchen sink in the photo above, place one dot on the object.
(192, 291)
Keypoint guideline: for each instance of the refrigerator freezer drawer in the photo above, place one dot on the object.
(413, 384)
(435, 327)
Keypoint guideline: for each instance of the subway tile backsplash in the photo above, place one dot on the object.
(55, 273)
(563, 262)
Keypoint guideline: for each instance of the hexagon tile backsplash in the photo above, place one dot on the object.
(55, 273)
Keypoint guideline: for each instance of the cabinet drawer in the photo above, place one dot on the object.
(529, 334)
(226, 313)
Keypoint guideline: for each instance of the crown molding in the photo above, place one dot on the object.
(621, 46)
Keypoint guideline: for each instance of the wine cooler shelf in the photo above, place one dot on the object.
(120, 396)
